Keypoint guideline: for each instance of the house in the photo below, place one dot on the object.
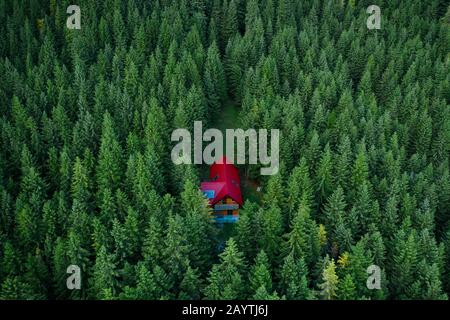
(223, 191)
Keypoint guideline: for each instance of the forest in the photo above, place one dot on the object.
(86, 177)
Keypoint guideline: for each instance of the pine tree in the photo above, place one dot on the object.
(10, 260)
(78, 254)
(334, 212)
(260, 273)
(360, 170)
(299, 184)
(152, 243)
(214, 79)
(271, 229)
(303, 239)
(346, 289)
(109, 169)
(360, 259)
(190, 285)
(104, 275)
(246, 235)
(175, 249)
(365, 214)
(132, 232)
(402, 265)
(59, 268)
(13, 288)
(230, 21)
(262, 294)
(329, 286)
(225, 281)
(294, 279)
(274, 196)
(198, 222)
(80, 187)
(146, 288)
(324, 175)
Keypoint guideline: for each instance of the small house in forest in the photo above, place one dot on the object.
(223, 191)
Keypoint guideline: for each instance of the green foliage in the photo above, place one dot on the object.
(346, 289)
(294, 279)
(109, 171)
(86, 176)
(104, 277)
(190, 286)
(330, 280)
(225, 281)
(260, 273)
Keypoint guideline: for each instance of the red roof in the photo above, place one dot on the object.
(224, 182)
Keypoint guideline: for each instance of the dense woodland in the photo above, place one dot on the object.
(85, 170)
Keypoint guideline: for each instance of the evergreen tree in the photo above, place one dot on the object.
(294, 279)
(346, 289)
(190, 285)
(260, 273)
(104, 276)
(225, 281)
(109, 169)
(214, 79)
(329, 286)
